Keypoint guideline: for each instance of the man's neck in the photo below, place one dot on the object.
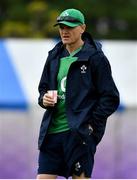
(73, 47)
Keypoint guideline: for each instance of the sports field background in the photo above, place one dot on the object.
(116, 155)
(21, 64)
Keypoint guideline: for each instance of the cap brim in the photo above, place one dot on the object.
(70, 24)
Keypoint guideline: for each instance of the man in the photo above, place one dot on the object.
(71, 128)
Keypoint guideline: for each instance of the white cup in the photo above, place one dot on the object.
(53, 94)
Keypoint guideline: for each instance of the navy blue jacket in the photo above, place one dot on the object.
(91, 94)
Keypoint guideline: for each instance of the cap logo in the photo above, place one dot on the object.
(66, 14)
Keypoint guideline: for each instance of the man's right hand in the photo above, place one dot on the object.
(48, 100)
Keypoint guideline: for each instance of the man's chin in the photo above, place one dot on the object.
(65, 42)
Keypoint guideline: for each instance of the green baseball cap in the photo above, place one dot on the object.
(71, 18)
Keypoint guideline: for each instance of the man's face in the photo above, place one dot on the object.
(70, 35)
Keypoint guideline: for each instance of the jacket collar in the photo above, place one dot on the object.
(87, 51)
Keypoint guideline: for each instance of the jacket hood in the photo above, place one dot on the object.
(88, 38)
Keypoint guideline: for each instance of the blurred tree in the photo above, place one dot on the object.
(15, 29)
(115, 19)
(37, 14)
(49, 30)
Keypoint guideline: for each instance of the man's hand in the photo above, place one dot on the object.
(48, 100)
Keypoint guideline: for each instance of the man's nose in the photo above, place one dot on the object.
(64, 31)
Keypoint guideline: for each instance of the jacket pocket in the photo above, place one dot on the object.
(90, 133)
(87, 138)
(86, 133)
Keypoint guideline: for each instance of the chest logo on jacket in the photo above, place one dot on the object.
(83, 69)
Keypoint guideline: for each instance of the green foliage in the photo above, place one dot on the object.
(15, 29)
(115, 19)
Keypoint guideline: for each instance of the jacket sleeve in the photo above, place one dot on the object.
(108, 95)
(43, 84)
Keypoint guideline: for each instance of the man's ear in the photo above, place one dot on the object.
(83, 27)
